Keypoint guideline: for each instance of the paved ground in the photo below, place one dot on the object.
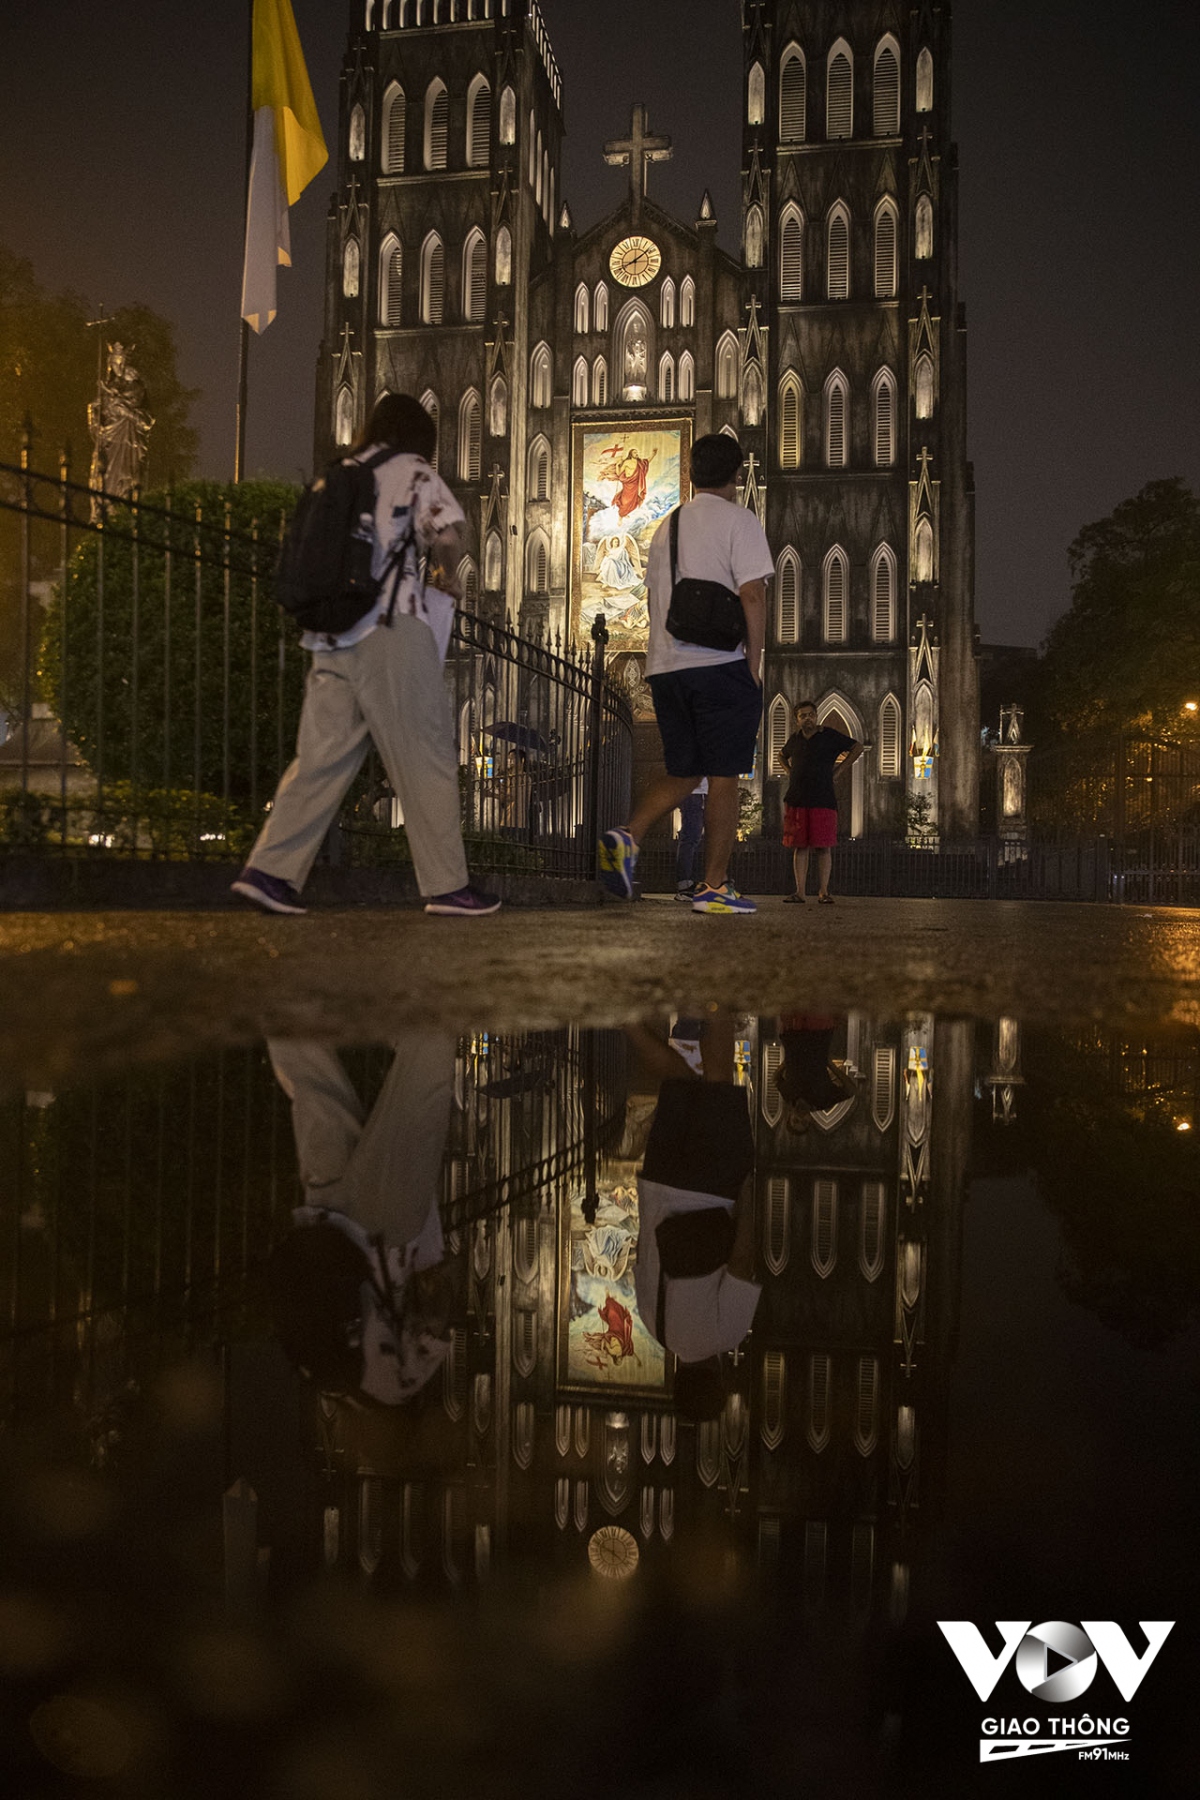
(86, 992)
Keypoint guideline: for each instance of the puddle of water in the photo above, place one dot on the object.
(431, 1406)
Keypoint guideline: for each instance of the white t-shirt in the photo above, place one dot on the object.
(703, 1314)
(401, 482)
(718, 541)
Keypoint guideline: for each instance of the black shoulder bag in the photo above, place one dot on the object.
(702, 612)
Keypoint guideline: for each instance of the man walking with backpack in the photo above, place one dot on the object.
(707, 575)
(378, 637)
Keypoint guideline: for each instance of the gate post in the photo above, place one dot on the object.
(594, 734)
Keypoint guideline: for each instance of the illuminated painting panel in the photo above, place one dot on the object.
(627, 479)
(603, 1346)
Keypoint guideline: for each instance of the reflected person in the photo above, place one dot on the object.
(695, 1260)
(810, 1079)
(359, 1295)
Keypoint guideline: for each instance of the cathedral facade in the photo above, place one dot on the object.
(570, 369)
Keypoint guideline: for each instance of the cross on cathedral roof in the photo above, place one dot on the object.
(638, 150)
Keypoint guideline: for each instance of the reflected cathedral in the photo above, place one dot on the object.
(569, 364)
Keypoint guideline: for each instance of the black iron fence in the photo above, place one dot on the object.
(1140, 797)
(152, 692)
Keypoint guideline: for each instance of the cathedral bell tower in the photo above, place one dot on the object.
(853, 396)
(449, 139)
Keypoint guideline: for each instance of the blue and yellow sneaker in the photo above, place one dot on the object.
(617, 856)
(721, 900)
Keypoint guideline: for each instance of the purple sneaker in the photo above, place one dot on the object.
(467, 902)
(268, 891)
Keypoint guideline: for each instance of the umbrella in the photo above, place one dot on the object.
(523, 736)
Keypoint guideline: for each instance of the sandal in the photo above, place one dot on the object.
(824, 899)
(793, 899)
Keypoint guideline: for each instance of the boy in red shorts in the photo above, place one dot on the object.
(810, 805)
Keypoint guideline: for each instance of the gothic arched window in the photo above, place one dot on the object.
(539, 469)
(351, 268)
(885, 419)
(537, 564)
(498, 408)
(779, 719)
(474, 278)
(539, 169)
(837, 421)
(504, 257)
(533, 149)
(468, 582)
(883, 595)
(437, 124)
(666, 376)
(343, 418)
(727, 367)
(791, 422)
(479, 123)
(791, 255)
(601, 306)
(357, 143)
(687, 302)
(924, 231)
(754, 238)
(391, 282)
(753, 397)
(433, 280)
(838, 270)
(579, 382)
(493, 562)
(887, 233)
(508, 117)
(429, 401)
(887, 88)
(394, 112)
(470, 437)
(540, 377)
(923, 551)
(839, 92)
(787, 597)
(925, 81)
(756, 96)
(687, 377)
(666, 305)
(889, 764)
(835, 600)
(923, 384)
(582, 309)
(600, 382)
(792, 86)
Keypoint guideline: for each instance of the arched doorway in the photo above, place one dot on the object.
(836, 711)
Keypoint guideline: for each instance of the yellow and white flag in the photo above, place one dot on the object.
(288, 150)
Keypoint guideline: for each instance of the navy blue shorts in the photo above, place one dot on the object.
(708, 718)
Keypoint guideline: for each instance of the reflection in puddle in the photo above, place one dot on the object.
(738, 1349)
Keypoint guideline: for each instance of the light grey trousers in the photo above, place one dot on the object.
(388, 688)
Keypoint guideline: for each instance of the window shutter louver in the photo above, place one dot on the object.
(481, 127)
(777, 1224)
(687, 377)
(836, 435)
(840, 120)
(788, 620)
(542, 488)
(393, 287)
(471, 445)
(824, 1226)
(887, 94)
(839, 257)
(820, 1373)
(435, 296)
(883, 628)
(872, 1215)
(889, 766)
(835, 599)
(429, 401)
(439, 127)
(393, 158)
(777, 736)
(791, 261)
(791, 99)
(886, 274)
(866, 1414)
(789, 425)
(885, 425)
(600, 382)
(477, 282)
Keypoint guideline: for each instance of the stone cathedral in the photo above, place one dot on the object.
(570, 367)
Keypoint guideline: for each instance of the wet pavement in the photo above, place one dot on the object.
(88, 991)
(572, 1353)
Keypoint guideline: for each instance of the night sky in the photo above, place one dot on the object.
(122, 128)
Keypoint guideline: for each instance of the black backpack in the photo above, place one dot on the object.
(324, 577)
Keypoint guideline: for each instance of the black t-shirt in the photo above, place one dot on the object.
(811, 761)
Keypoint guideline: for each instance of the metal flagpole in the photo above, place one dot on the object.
(239, 454)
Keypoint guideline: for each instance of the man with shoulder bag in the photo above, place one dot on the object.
(352, 575)
(707, 575)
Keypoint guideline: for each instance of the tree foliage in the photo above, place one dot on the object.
(177, 667)
(1126, 655)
